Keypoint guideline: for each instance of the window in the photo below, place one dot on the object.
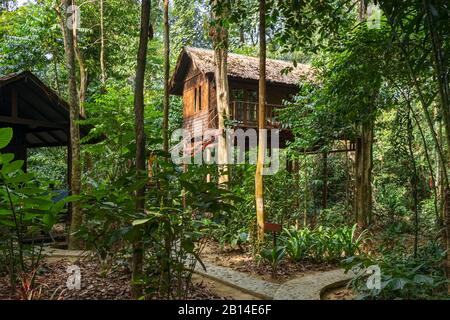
(237, 95)
(200, 98)
(252, 103)
(195, 100)
(237, 98)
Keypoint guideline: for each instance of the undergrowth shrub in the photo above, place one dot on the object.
(402, 276)
(322, 244)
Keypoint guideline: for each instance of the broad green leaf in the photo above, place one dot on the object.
(72, 198)
(5, 212)
(140, 221)
(6, 135)
(13, 166)
(6, 158)
(40, 202)
(20, 178)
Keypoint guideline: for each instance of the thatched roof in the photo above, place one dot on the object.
(239, 67)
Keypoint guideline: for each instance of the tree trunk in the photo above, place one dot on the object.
(413, 182)
(166, 77)
(74, 149)
(325, 181)
(83, 72)
(363, 160)
(55, 69)
(102, 46)
(363, 176)
(441, 179)
(138, 248)
(167, 237)
(220, 42)
(259, 182)
(442, 76)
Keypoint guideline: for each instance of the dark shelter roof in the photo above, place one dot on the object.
(40, 111)
(239, 67)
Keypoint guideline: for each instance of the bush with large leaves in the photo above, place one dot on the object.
(27, 212)
(402, 276)
(177, 218)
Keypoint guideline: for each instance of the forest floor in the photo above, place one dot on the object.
(242, 260)
(52, 276)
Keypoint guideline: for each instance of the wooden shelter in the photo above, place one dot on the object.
(38, 116)
(193, 79)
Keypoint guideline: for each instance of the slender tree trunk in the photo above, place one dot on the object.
(441, 69)
(102, 46)
(83, 71)
(82, 89)
(167, 237)
(55, 69)
(363, 160)
(219, 35)
(442, 75)
(74, 149)
(325, 181)
(434, 179)
(430, 167)
(363, 175)
(166, 77)
(442, 172)
(413, 182)
(259, 181)
(241, 35)
(138, 247)
(305, 192)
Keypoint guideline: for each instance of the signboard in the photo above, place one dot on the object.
(272, 227)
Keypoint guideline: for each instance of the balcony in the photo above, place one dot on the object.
(245, 114)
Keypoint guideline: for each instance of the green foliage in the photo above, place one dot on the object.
(322, 244)
(27, 212)
(6, 135)
(109, 209)
(173, 226)
(402, 276)
(273, 256)
(389, 75)
(298, 243)
(49, 164)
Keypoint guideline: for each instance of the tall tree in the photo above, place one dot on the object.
(166, 77)
(421, 28)
(102, 46)
(259, 181)
(363, 158)
(68, 24)
(138, 247)
(219, 34)
(82, 89)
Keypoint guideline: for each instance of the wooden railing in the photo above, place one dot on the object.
(245, 114)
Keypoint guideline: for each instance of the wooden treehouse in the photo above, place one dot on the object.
(193, 79)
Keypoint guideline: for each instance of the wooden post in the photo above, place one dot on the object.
(14, 104)
(274, 228)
